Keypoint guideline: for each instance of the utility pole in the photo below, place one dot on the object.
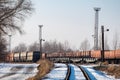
(102, 52)
(40, 39)
(96, 29)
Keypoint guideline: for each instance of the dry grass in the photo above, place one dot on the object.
(44, 67)
(105, 63)
(114, 70)
(110, 70)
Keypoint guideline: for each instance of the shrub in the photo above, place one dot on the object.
(44, 67)
(111, 68)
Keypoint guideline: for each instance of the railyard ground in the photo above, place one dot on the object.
(10, 71)
(46, 66)
(110, 69)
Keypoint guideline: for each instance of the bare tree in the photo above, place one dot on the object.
(60, 47)
(46, 47)
(55, 46)
(85, 45)
(66, 46)
(20, 48)
(106, 46)
(34, 47)
(119, 45)
(3, 48)
(12, 13)
(50, 47)
(115, 41)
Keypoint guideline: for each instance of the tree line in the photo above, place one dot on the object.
(55, 46)
(47, 47)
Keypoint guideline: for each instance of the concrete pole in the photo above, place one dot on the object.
(40, 39)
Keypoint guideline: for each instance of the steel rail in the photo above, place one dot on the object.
(85, 73)
(68, 73)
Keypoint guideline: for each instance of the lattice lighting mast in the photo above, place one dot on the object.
(96, 28)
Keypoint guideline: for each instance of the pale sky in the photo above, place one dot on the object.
(71, 20)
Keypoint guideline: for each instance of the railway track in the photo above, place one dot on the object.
(68, 73)
(85, 73)
(75, 72)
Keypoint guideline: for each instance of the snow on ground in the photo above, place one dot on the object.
(10, 71)
(98, 75)
(58, 73)
(60, 70)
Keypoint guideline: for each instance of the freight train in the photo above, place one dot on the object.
(23, 57)
(112, 56)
